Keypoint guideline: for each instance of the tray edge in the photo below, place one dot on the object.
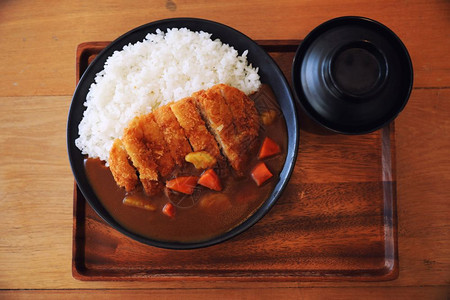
(389, 272)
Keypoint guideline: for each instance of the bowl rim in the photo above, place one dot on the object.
(265, 207)
(302, 100)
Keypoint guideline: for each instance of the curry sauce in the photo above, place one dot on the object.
(205, 213)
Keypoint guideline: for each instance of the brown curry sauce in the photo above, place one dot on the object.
(204, 214)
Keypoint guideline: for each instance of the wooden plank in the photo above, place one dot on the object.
(37, 49)
(436, 292)
(423, 168)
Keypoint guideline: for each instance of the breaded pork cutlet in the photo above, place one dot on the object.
(194, 127)
(173, 133)
(141, 156)
(148, 151)
(220, 120)
(245, 118)
(214, 110)
(123, 172)
(233, 119)
(154, 138)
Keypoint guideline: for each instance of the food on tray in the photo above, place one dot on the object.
(181, 170)
(202, 195)
(207, 120)
(173, 133)
(194, 127)
(201, 159)
(233, 120)
(164, 67)
(123, 171)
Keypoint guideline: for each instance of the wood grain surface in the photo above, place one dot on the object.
(37, 54)
(240, 293)
(336, 220)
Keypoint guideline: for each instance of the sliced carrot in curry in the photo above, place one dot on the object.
(183, 184)
(169, 210)
(268, 148)
(210, 179)
(261, 173)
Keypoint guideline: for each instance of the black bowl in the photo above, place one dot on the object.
(269, 73)
(352, 75)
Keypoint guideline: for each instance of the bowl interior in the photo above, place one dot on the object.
(352, 75)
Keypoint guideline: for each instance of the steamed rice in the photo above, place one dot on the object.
(166, 66)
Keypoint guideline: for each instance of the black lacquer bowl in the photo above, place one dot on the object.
(270, 74)
(352, 75)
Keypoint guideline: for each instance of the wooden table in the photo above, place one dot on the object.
(37, 55)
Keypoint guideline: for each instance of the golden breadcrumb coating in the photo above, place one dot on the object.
(174, 134)
(194, 127)
(123, 171)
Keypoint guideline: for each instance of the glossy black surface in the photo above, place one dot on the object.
(269, 73)
(352, 75)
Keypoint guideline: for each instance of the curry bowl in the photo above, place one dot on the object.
(352, 75)
(270, 75)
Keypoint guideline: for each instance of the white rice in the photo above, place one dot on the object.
(165, 67)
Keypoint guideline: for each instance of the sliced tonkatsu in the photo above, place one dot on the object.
(155, 141)
(122, 170)
(194, 127)
(234, 121)
(146, 147)
(141, 156)
(217, 115)
(221, 121)
(245, 118)
(174, 134)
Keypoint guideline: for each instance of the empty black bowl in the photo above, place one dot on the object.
(352, 75)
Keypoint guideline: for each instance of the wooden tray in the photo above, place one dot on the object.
(335, 221)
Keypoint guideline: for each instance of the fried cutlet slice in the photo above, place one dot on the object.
(173, 133)
(245, 118)
(141, 156)
(189, 118)
(155, 141)
(219, 119)
(122, 170)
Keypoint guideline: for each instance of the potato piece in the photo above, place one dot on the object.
(201, 159)
(138, 202)
(215, 203)
(268, 117)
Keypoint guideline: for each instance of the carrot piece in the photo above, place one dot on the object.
(210, 179)
(261, 173)
(183, 184)
(169, 210)
(268, 148)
